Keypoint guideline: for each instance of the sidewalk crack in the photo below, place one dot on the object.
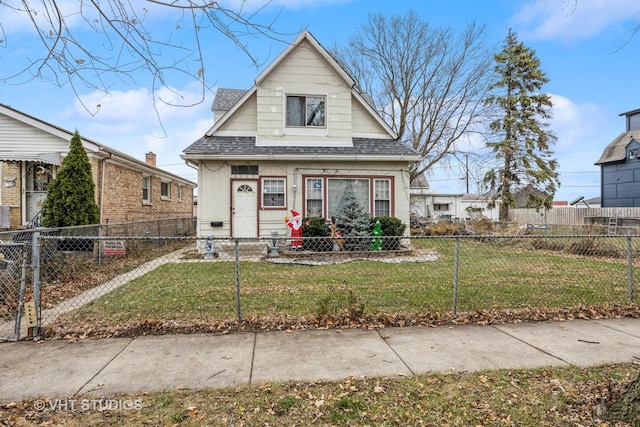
(531, 345)
(77, 393)
(395, 352)
(253, 357)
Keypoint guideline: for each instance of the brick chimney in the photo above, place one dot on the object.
(150, 158)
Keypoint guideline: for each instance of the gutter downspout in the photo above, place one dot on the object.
(104, 162)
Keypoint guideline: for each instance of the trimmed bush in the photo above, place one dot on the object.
(316, 227)
(391, 227)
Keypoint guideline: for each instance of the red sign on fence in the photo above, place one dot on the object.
(113, 247)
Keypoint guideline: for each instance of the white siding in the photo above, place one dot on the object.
(363, 124)
(243, 120)
(20, 138)
(214, 198)
(304, 72)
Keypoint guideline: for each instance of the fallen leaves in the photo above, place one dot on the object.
(138, 327)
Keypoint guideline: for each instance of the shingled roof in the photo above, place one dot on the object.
(227, 98)
(617, 150)
(246, 145)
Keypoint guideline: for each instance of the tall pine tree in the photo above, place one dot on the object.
(71, 196)
(522, 145)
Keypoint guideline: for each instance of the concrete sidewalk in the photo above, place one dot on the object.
(59, 369)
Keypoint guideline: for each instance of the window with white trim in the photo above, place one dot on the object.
(323, 195)
(339, 188)
(441, 207)
(273, 193)
(381, 197)
(305, 111)
(314, 197)
(146, 189)
(165, 190)
(179, 192)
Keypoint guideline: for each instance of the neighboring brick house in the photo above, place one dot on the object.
(127, 189)
(302, 138)
(620, 167)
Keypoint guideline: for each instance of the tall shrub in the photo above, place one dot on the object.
(71, 195)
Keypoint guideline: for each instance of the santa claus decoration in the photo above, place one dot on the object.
(295, 224)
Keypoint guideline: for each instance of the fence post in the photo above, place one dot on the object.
(35, 248)
(238, 280)
(100, 241)
(456, 261)
(23, 285)
(630, 268)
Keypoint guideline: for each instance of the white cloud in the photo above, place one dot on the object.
(128, 122)
(573, 20)
(574, 124)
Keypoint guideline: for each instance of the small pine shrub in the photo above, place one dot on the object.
(71, 195)
(353, 221)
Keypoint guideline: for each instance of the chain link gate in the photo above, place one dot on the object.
(14, 274)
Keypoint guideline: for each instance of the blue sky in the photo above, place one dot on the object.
(586, 49)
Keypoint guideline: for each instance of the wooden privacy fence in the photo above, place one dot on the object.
(629, 217)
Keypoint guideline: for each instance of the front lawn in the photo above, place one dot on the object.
(490, 277)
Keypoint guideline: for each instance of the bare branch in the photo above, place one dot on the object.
(98, 44)
(429, 83)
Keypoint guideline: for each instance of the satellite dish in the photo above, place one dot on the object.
(577, 200)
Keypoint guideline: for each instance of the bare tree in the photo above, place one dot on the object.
(95, 44)
(429, 83)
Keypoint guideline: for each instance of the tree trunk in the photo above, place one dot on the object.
(627, 407)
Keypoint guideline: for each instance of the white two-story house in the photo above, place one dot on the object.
(300, 139)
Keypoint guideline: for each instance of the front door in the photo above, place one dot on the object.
(244, 208)
(39, 175)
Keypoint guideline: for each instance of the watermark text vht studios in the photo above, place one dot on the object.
(62, 405)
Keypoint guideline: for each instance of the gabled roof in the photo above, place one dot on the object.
(616, 151)
(228, 96)
(94, 147)
(306, 35)
(420, 181)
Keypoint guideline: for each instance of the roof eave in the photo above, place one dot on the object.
(303, 157)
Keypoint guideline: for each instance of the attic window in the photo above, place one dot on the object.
(634, 153)
(303, 111)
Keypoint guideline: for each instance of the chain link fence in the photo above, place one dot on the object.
(128, 285)
(20, 269)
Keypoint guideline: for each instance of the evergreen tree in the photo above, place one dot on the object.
(353, 221)
(71, 195)
(523, 144)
